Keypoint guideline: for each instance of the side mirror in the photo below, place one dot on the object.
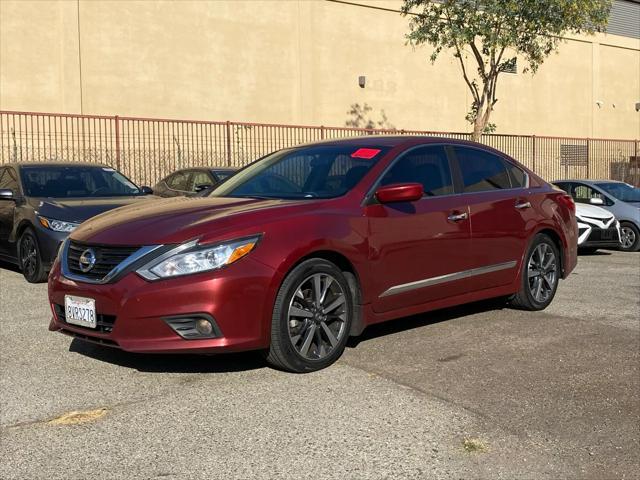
(596, 201)
(7, 194)
(202, 186)
(400, 192)
(146, 190)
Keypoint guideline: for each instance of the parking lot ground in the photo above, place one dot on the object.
(479, 391)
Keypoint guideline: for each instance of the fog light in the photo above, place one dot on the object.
(204, 327)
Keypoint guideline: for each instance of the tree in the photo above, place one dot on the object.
(494, 33)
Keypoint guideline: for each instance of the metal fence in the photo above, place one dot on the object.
(147, 149)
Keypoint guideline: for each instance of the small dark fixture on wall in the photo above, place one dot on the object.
(362, 80)
(637, 106)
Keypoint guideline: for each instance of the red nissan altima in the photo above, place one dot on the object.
(309, 245)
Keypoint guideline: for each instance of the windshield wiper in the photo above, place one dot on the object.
(257, 197)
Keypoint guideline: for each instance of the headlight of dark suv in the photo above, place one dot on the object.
(57, 225)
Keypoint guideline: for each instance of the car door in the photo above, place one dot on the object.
(8, 179)
(500, 210)
(417, 249)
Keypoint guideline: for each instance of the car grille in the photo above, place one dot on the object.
(107, 258)
(604, 235)
(104, 323)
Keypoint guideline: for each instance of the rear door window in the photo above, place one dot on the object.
(179, 181)
(481, 171)
(426, 165)
(516, 175)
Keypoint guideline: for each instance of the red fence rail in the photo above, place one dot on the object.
(147, 149)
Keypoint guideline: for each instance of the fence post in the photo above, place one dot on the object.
(636, 163)
(228, 132)
(117, 131)
(588, 157)
(322, 132)
(533, 138)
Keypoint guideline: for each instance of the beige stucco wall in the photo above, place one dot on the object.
(295, 61)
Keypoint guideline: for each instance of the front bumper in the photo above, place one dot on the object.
(132, 313)
(593, 236)
(49, 243)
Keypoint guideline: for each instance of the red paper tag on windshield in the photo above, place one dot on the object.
(366, 153)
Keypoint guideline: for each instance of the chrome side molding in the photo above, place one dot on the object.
(449, 277)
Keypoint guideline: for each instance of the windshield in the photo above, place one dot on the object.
(307, 172)
(621, 191)
(73, 182)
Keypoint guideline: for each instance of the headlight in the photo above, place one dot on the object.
(57, 225)
(193, 258)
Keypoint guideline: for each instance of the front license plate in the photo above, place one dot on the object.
(80, 311)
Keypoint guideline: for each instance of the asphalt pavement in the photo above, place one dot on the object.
(479, 391)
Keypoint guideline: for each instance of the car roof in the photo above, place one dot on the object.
(56, 164)
(590, 182)
(391, 141)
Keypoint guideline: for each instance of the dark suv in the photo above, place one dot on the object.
(41, 203)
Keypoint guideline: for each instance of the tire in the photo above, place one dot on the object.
(630, 237)
(30, 258)
(310, 333)
(587, 250)
(539, 285)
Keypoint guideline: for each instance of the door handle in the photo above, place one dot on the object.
(522, 205)
(456, 217)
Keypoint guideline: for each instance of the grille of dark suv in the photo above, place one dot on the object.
(107, 258)
(104, 323)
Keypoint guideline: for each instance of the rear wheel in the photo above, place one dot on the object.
(540, 275)
(30, 258)
(311, 318)
(629, 237)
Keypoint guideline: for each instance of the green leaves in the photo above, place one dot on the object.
(529, 27)
(487, 30)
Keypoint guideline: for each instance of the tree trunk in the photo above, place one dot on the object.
(481, 122)
(478, 128)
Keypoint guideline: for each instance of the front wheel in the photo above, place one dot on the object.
(30, 258)
(629, 237)
(311, 318)
(540, 275)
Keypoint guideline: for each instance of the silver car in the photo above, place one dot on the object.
(621, 199)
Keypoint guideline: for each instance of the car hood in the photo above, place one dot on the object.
(592, 211)
(179, 219)
(78, 210)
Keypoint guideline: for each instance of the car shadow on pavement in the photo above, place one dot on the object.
(424, 319)
(243, 361)
(9, 266)
(168, 363)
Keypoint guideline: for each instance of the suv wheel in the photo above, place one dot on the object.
(29, 257)
(311, 319)
(540, 275)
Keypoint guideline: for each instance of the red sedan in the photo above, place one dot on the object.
(309, 245)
